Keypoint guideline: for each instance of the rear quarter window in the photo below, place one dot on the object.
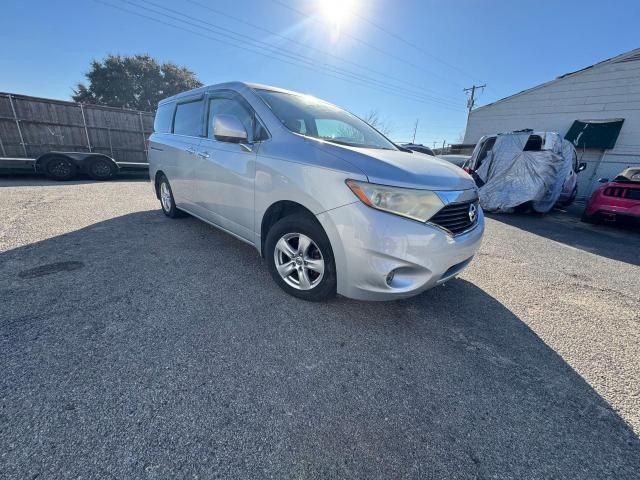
(164, 115)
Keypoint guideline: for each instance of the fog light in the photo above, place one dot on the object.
(390, 276)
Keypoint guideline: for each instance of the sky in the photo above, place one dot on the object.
(407, 60)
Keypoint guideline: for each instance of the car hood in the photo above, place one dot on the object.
(403, 169)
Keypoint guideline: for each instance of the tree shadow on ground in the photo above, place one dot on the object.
(147, 346)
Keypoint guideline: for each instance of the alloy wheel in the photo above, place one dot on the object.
(165, 196)
(299, 261)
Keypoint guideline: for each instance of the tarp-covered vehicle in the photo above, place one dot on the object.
(527, 169)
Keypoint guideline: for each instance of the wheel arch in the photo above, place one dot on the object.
(86, 160)
(279, 210)
(42, 159)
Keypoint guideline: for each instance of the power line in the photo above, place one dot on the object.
(324, 52)
(411, 44)
(286, 53)
(289, 57)
(374, 47)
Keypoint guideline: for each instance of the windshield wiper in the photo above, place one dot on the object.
(402, 149)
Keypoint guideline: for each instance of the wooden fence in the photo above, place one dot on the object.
(31, 126)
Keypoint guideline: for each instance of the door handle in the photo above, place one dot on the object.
(203, 154)
(191, 150)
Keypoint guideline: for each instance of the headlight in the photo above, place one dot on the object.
(418, 205)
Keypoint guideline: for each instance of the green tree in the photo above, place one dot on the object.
(137, 82)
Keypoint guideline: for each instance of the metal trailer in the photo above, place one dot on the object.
(62, 139)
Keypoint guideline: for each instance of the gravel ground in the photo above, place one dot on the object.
(135, 346)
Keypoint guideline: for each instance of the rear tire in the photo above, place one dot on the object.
(60, 169)
(102, 169)
(167, 202)
(298, 247)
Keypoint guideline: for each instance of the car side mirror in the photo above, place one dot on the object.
(582, 166)
(227, 128)
(603, 180)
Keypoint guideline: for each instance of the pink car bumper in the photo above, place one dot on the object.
(615, 199)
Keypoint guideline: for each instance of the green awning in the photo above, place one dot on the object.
(595, 133)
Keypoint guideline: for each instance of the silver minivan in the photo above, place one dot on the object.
(330, 203)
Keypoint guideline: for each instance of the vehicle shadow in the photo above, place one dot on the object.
(142, 335)
(620, 243)
(33, 180)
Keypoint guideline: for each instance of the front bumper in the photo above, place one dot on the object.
(369, 244)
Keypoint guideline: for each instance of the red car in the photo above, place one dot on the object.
(616, 200)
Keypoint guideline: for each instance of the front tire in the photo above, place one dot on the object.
(300, 258)
(525, 207)
(167, 202)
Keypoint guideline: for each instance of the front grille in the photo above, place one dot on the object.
(622, 192)
(455, 217)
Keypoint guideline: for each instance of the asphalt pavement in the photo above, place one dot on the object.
(136, 346)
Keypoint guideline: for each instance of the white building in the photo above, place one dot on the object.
(609, 90)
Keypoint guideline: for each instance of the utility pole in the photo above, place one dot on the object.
(443, 142)
(434, 144)
(415, 129)
(471, 101)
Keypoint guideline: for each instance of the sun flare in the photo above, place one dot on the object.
(337, 13)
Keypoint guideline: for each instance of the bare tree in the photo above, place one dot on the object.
(383, 126)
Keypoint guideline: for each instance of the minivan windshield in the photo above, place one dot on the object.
(315, 118)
